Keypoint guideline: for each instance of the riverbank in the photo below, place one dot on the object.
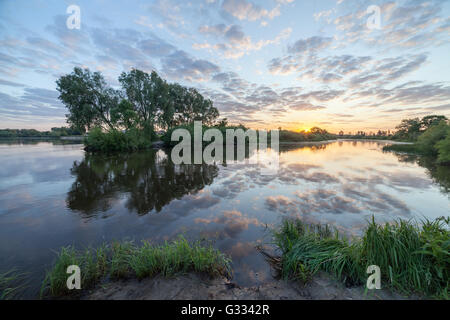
(315, 263)
(198, 287)
(413, 258)
(125, 260)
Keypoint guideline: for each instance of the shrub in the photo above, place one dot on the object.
(427, 142)
(114, 140)
(443, 148)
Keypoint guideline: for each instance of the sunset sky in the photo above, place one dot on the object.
(266, 64)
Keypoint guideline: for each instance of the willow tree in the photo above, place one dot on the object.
(88, 98)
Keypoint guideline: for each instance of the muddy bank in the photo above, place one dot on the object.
(199, 287)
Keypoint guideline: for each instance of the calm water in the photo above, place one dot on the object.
(53, 195)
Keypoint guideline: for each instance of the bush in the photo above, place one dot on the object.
(426, 144)
(114, 140)
(443, 148)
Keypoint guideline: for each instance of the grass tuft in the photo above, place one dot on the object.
(125, 259)
(413, 258)
(9, 284)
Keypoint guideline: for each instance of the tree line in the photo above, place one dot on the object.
(27, 133)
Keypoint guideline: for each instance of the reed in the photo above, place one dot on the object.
(413, 257)
(125, 259)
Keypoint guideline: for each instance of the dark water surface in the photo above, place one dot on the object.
(53, 195)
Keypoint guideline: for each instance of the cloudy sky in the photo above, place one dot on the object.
(289, 63)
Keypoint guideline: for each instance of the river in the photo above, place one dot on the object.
(54, 194)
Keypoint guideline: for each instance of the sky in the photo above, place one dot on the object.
(293, 64)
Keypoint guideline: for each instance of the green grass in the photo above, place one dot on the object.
(125, 259)
(9, 284)
(413, 258)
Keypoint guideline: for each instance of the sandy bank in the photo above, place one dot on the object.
(199, 287)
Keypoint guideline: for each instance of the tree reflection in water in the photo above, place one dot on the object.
(439, 174)
(148, 180)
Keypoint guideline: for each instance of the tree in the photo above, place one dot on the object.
(443, 148)
(144, 102)
(408, 129)
(427, 142)
(224, 123)
(88, 99)
(143, 92)
(123, 115)
(430, 121)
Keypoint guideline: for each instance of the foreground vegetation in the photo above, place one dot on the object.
(125, 259)
(413, 258)
(431, 137)
(10, 284)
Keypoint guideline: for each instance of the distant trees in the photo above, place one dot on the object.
(314, 134)
(144, 102)
(27, 133)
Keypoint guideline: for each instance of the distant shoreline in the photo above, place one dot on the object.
(75, 138)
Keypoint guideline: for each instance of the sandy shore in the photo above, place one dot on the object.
(199, 287)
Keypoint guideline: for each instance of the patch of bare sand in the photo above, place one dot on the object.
(198, 287)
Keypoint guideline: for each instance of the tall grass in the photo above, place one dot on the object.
(413, 258)
(10, 284)
(125, 259)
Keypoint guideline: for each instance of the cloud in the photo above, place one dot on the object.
(246, 10)
(235, 42)
(232, 223)
(180, 65)
(310, 45)
(10, 83)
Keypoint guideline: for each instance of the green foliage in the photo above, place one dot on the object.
(144, 103)
(124, 259)
(426, 143)
(114, 140)
(411, 129)
(88, 99)
(412, 258)
(9, 284)
(92, 263)
(124, 115)
(433, 142)
(443, 149)
(178, 256)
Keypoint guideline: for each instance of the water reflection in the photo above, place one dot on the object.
(439, 174)
(147, 180)
(57, 195)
